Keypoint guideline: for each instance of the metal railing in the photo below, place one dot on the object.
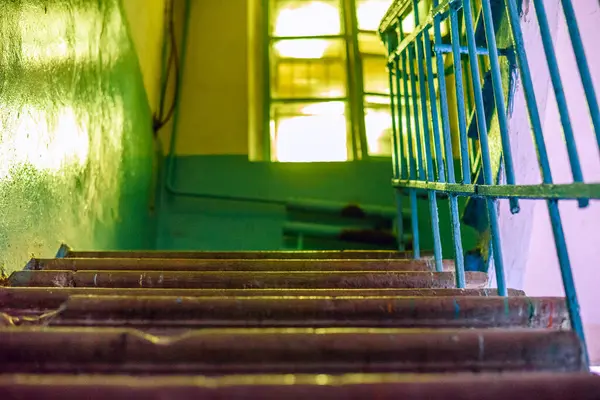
(423, 158)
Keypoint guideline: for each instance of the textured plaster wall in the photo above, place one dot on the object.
(75, 130)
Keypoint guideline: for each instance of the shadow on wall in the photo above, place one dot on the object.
(75, 131)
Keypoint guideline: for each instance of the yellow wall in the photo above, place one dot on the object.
(146, 22)
(213, 117)
(214, 100)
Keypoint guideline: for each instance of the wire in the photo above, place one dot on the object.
(160, 121)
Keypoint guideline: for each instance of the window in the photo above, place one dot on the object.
(328, 84)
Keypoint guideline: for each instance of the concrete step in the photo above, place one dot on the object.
(250, 255)
(243, 280)
(286, 351)
(41, 299)
(168, 312)
(154, 264)
(489, 386)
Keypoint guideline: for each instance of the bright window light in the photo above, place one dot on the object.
(302, 48)
(315, 18)
(378, 124)
(370, 13)
(317, 134)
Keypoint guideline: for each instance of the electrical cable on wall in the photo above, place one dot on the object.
(161, 120)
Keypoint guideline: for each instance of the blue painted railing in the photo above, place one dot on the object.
(423, 156)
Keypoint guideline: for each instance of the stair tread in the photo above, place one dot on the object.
(47, 298)
(466, 386)
(287, 350)
(244, 280)
(285, 254)
(217, 265)
(194, 312)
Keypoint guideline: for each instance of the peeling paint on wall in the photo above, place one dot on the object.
(75, 130)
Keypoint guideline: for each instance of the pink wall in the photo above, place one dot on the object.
(528, 241)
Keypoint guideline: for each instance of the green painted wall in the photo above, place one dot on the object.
(75, 131)
(216, 224)
(201, 223)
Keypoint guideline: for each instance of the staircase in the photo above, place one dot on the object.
(341, 324)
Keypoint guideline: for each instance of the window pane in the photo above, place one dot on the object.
(378, 124)
(370, 13)
(309, 132)
(311, 68)
(375, 75)
(305, 18)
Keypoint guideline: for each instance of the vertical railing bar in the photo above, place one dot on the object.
(400, 219)
(559, 238)
(414, 215)
(559, 93)
(484, 145)
(459, 265)
(567, 275)
(421, 166)
(460, 98)
(582, 64)
(467, 86)
(496, 250)
(459, 261)
(413, 165)
(435, 227)
(404, 172)
(490, 34)
(434, 111)
(395, 133)
(433, 209)
(409, 134)
(443, 100)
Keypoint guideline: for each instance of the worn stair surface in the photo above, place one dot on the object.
(351, 324)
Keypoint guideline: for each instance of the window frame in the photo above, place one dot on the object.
(355, 96)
